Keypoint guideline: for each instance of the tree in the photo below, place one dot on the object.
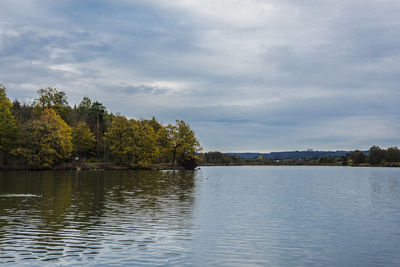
(8, 127)
(376, 155)
(22, 112)
(164, 144)
(120, 140)
(184, 144)
(358, 157)
(54, 99)
(85, 106)
(393, 154)
(95, 115)
(83, 140)
(146, 144)
(155, 124)
(98, 113)
(131, 142)
(46, 141)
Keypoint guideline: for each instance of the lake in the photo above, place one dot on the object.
(215, 216)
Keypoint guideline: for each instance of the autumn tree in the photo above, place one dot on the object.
(46, 141)
(120, 140)
(184, 144)
(54, 99)
(164, 145)
(83, 140)
(131, 142)
(8, 127)
(146, 149)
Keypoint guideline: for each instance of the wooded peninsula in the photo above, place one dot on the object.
(50, 134)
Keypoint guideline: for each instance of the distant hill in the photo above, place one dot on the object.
(293, 154)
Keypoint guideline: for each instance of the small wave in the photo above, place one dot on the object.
(19, 195)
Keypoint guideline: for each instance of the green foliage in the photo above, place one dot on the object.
(54, 99)
(22, 112)
(184, 143)
(164, 145)
(358, 157)
(85, 106)
(146, 144)
(120, 140)
(326, 160)
(95, 115)
(393, 154)
(45, 141)
(83, 140)
(218, 158)
(376, 155)
(131, 142)
(8, 127)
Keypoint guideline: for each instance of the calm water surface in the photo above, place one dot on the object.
(216, 216)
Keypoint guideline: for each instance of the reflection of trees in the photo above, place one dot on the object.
(80, 211)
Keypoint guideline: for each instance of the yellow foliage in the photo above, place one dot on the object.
(46, 141)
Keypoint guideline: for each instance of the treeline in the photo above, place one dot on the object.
(50, 132)
(218, 158)
(375, 156)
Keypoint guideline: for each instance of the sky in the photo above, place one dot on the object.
(248, 75)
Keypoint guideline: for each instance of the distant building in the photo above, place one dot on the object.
(310, 150)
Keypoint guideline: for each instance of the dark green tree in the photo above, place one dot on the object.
(393, 154)
(376, 155)
(358, 157)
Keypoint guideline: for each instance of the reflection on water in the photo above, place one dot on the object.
(70, 217)
(217, 216)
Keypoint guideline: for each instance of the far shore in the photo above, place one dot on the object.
(167, 166)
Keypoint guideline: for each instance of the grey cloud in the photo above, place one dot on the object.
(263, 81)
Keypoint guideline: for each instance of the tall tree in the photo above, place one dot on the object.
(54, 99)
(46, 141)
(8, 127)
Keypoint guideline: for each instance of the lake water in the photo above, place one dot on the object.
(215, 216)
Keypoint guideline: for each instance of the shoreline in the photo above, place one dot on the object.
(165, 167)
(93, 167)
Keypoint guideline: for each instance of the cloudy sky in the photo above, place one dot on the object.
(248, 75)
